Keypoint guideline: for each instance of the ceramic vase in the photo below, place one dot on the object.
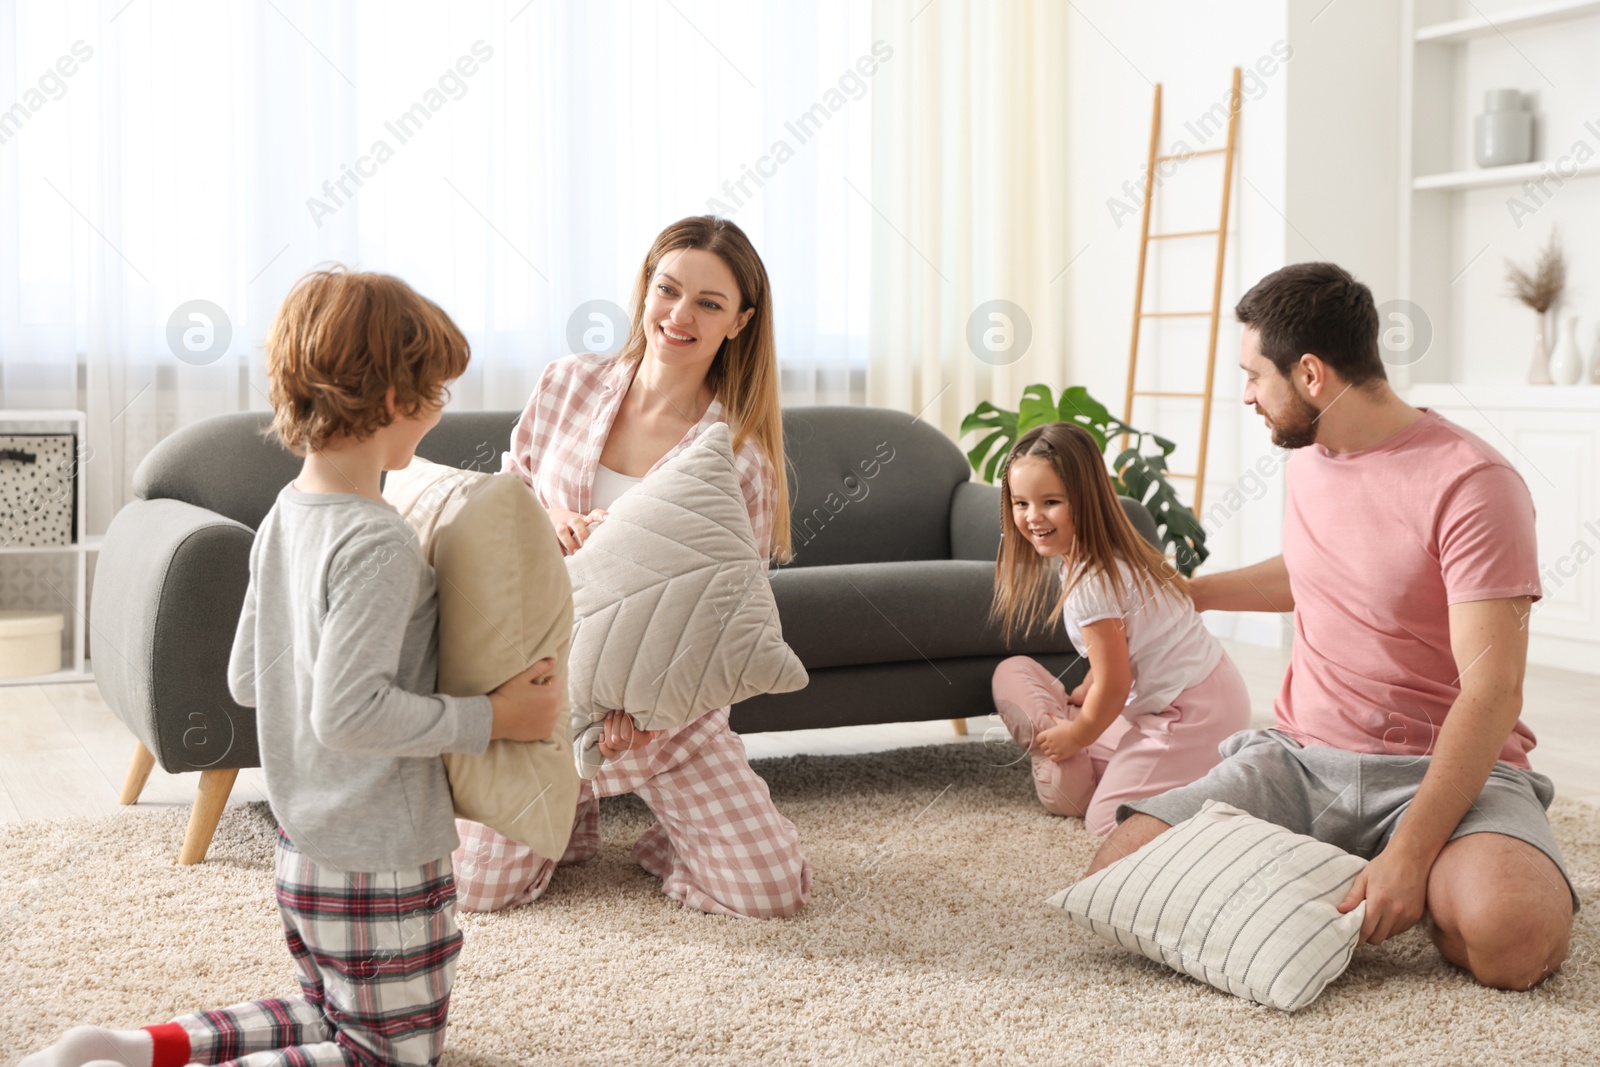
(1594, 360)
(1504, 132)
(1566, 364)
(1539, 369)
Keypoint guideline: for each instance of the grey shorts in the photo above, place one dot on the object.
(1351, 799)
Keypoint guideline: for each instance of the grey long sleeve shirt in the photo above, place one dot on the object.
(335, 650)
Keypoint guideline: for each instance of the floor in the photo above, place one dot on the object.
(63, 753)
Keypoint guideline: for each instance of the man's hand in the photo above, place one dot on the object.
(1056, 742)
(572, 529)
(1395, 887)
(619, 735)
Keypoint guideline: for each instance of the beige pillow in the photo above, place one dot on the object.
(1236, 902)
(675, 612)
(504, 604)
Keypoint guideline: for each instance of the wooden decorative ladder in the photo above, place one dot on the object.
(1139, 312)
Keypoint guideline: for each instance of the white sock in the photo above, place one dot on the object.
(83, 1046)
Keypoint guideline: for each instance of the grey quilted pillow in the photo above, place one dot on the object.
(674, 611)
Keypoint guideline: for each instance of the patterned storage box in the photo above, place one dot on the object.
(38, 489)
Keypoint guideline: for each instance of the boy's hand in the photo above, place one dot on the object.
(1080, 694)
(1056, 742)
(526, 706)
(618, 735)
(572, 529)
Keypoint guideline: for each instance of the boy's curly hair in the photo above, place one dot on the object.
(340, 341)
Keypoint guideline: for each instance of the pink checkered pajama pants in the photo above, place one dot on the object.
(376, 954)
(718, 843)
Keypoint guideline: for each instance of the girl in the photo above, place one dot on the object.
(700, 351)
(1160, 694)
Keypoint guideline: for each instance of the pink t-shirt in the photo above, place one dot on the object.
(1378, 544)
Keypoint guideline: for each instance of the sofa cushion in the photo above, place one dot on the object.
(856, 613)
(868, 485)
(470, 440)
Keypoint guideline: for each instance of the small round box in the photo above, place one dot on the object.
(30, 643)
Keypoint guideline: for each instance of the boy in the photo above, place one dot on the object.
(335, 643)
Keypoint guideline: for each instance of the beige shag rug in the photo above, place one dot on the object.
(926, 941)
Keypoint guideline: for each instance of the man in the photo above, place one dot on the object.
(1410, 566)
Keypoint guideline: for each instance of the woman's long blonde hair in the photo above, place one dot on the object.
(744, 373)
(1103, 534)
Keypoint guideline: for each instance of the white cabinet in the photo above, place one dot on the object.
(1552, 436)
(72, 601)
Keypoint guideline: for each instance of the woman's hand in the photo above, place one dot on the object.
(618, 734)
(1057, 742)
(572, 529)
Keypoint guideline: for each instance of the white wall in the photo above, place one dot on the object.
(1117, 51)
(1315, 178)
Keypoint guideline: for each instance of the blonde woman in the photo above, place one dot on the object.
(700, 352)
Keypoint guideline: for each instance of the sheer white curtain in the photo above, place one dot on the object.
(511, 160)
(969, 179)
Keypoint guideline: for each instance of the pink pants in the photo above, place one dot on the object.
(1134, 758)
(718, 844)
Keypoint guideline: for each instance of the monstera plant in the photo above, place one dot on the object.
(1137, 470)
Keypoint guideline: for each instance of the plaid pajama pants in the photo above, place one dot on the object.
(376, 954)
(718, 844)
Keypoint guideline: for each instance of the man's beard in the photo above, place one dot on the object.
(1296, 425)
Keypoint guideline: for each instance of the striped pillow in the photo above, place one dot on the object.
(1234, 901)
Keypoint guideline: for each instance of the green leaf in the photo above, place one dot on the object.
(992, 468)
(979, 451)
(984, 416)
(1078, 406)
(1002, 431)
(1036, 408)
(1137, 474)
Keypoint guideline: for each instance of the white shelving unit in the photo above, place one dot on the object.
(1458, 223)
(1478, 24)
(82, 546)
(1489, 177)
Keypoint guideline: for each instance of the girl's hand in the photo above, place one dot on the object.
(1057, 743)
(1080, 694)
(618, 734)
(572, 529)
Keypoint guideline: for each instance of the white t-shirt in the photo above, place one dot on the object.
(608, 485)
(1169, 648)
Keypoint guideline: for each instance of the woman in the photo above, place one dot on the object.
(700, 352)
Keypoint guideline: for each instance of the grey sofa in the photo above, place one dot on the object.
(885, 600)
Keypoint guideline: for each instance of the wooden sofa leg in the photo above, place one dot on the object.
(960, 727)
(209, 801)
(138, 773)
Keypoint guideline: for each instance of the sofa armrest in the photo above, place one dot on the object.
(975, 521)
(168, 590)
